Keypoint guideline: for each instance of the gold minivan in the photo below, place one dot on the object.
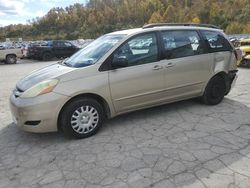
(126, 71)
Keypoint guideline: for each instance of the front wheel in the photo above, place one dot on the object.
(215, 91)
(82, 118)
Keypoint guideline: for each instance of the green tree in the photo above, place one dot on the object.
(103, 16)
(156, 18)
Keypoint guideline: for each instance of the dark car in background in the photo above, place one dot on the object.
(30, 51)
(56, 48)
(27, 50)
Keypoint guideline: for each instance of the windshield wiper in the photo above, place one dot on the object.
(67, 64)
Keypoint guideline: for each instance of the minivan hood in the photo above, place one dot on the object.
(49, 72)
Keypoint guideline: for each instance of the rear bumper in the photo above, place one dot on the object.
(232, 78)
(39, 114)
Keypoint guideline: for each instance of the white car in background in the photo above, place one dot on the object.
(9, 56)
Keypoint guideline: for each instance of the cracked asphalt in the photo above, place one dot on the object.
(184, 144)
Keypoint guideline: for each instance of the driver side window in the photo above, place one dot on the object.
(139, 50)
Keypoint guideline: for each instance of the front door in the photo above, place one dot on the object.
(141, 83)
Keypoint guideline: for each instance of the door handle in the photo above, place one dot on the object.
(169, 65)
(157, 67)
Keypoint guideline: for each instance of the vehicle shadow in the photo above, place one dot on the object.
(184, 143)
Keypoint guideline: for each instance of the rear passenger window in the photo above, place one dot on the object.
(216, 41)
(179, 44)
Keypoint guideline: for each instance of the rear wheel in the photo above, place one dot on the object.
(11, 59)
(215, 91)
(82, 118)
(46, 56)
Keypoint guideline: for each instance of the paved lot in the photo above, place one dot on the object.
(184, 144)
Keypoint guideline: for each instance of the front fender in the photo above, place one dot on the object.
(97, 84)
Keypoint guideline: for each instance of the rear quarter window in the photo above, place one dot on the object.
(181, 43)
(216, 41)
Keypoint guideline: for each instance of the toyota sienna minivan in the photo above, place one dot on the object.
(126, 71)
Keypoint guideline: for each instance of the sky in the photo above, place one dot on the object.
(20, 11)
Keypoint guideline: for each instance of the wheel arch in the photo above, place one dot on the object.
(10, 54)
(223, 75)
(96, 97)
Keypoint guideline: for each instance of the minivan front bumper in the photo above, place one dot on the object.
(38, 114)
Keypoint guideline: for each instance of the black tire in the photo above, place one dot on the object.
(69, 111)
(215, 91)
(46, 56)
(11, 59)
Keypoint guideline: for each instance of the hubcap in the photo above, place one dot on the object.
(11, 59)
(84, 119)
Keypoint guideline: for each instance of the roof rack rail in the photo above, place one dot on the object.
(179, 24)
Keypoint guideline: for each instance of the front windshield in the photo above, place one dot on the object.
(94, 51)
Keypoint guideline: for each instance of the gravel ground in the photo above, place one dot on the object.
(185, 144)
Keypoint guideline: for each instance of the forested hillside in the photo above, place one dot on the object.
(102, 16)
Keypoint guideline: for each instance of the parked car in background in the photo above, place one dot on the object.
(27, 50)
(245, 48)
(82, 43)
(57, 48)
(126, 71)
(9, 56)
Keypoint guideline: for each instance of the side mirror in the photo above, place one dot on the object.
(119, 62)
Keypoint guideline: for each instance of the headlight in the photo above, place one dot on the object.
(243, 53)
(41, 88)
